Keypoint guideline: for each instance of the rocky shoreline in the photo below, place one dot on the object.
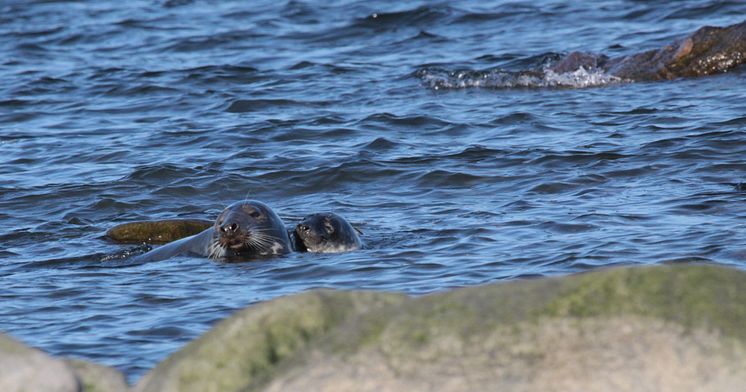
(651, 328)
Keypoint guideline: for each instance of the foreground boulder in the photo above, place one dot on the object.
(663, 328)
(26, 369)
(97, 378)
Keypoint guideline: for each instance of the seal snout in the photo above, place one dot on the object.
(308, 233)
(233, 233)
(229, 228)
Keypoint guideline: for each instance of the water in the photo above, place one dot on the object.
(111, 113)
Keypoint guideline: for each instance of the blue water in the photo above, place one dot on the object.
(112, 112)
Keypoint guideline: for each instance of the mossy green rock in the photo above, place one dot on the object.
(662, 328)
(157, 231)
(97, 378)
(247, 348)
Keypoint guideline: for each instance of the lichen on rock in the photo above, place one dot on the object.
(662, 328)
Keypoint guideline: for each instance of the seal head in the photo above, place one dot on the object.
(245, 230)
(326, 233)
(248, 229)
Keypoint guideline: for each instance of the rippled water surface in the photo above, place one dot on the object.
(112, 112)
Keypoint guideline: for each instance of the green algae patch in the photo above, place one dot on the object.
(244, 350)
(526, 334)
(11, 346)
(455, 323)
(705, 296)
(97, 378)
(600, 330)
(157, 232)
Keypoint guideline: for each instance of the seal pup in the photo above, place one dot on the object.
(244, 230)
(326, 232)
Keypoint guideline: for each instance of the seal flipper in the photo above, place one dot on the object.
(197, 245)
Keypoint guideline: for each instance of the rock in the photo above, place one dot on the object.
(26, 369)
(662, 328)
(97, 378)
(246, 349)
(156, 232)
(709, 50)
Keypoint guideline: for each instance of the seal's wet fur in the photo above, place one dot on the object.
(326, 233)
(243, 231)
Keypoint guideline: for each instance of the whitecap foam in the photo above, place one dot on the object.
(439, 79)
(580, 78)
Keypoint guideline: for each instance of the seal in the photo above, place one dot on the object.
(243, 231)
(326, 232)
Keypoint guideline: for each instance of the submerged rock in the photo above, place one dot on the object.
(663, 328)
(157, 231)
(26, 369)
(707, 51)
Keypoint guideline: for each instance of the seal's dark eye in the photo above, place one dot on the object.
(255, 214)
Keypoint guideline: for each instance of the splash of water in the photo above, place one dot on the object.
(441, 79)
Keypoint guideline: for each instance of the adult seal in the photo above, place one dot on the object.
(326, 233)
(245, 230)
